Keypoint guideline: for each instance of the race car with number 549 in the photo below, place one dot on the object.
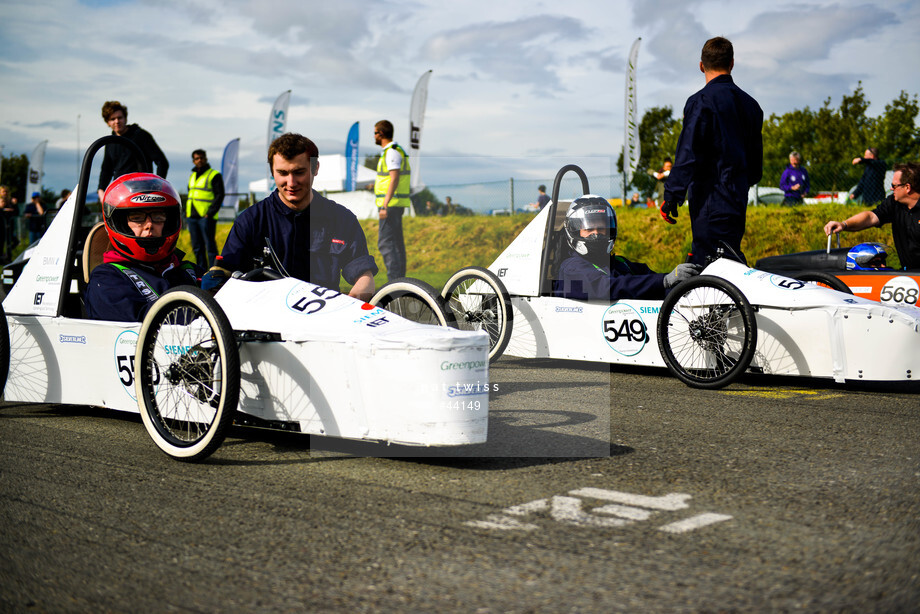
(710, 329)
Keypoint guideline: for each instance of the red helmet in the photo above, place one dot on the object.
(141, 192)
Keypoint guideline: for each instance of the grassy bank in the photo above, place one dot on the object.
(438, 246)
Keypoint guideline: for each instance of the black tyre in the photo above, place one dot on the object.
(707, 333)
(4, 350)
(414, 300)
(825, 279)
(187, 373)
(479, 301)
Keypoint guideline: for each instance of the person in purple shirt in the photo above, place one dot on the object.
(794, 181)
(314, 238)
(719, 157)
(592, 272)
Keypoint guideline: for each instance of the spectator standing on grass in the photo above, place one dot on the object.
(794, 181)
(871, 187)
(8, 212)
(205, 196)
(542, 199)
(392, 190)
(35, 213)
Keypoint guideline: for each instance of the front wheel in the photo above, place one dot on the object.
(414, 300)
(479, 301)
(707, 333)
(187, 373)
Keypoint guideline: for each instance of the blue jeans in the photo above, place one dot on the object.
(203, 233)
(391, 244)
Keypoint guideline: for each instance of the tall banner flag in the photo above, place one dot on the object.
(416, 121)
(230, 170)
(277, 122)
(36, 169)
(351, 158)
(631, 145)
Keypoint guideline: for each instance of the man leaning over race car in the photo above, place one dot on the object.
(315, 239)
(592, 272)
(900, 210)
(141, 212)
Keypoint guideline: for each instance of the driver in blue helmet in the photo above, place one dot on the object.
(592, 272)
(868, 257)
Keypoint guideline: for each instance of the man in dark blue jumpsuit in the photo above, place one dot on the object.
(314, 238)
(591, 272)
(719, 157)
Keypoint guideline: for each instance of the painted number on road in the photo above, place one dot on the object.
(599, 508)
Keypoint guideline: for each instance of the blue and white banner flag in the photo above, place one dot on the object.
(277, 122)
(351, 158)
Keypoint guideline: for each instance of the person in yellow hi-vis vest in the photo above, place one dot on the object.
(205, 195)
(392, 196)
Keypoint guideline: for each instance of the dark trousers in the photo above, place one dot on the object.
(391, 244)
(203, 234)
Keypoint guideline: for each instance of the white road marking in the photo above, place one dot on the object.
(623, 511)
(694, 522)
(525, 508)
(568, 510)
(502, 523)
(670, 502)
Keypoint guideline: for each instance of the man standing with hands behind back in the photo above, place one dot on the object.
(719, 157)
(391, 190)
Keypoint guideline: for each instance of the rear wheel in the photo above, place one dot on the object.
(414, 300)
(825, 279)
(707, 333)
(479, 301)
(187, 373)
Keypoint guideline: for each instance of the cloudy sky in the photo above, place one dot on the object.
(518, 88)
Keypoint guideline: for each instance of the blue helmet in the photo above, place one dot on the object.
(867, 257)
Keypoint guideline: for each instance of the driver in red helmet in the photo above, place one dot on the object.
(141, 212)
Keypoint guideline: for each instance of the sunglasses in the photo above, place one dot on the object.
(139, 217)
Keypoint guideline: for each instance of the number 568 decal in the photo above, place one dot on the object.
(624, 330)
(900, 291)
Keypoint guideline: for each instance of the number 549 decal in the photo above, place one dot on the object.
(624, 329)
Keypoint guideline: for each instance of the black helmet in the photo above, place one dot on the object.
(586, 213)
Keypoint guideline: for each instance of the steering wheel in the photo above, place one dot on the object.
(260, 274)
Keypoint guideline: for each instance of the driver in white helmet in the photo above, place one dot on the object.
(592, 272)
(141, 212)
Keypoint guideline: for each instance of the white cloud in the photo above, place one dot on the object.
(524, 82)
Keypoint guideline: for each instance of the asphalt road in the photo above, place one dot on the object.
(598, 491)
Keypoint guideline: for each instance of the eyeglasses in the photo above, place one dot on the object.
(139, 217)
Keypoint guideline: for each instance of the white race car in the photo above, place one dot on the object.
(280, 353)
(710, 329)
